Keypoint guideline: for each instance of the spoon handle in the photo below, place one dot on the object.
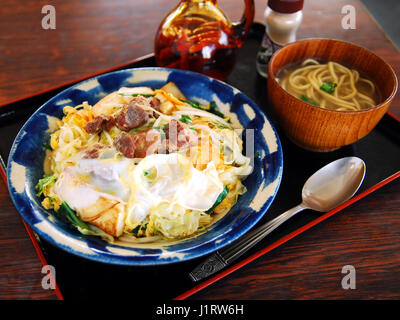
(224, 257)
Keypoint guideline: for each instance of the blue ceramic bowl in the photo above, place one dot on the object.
(25, 167)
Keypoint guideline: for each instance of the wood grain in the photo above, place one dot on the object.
(90, 36)
(93, 35)
(20, 267)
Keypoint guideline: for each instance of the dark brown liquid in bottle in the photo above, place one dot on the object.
(198, 44)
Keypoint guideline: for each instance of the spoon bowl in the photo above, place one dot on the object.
(333, 184)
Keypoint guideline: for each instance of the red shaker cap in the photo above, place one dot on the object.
(286, 6)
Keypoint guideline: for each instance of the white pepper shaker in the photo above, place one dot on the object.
(282, 19)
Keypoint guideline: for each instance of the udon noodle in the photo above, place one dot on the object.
(329, 85)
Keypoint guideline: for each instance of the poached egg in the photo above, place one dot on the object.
(163, 187)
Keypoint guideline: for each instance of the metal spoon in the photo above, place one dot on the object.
(326, 189)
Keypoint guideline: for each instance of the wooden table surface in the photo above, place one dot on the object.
(94, 35)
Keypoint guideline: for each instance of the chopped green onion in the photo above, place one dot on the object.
(150, 174)
(220, 198)
(329, 87)
(185, 119)
(308, 100)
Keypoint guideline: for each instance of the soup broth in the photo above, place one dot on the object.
(328, 85)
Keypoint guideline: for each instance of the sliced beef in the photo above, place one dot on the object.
(124, 143)
(93, 152)
(133, 115)
(94, 125)
(147, 142)
(108, 123)
(179, 136)
(155, 103)
(141, 144)
(98, 123)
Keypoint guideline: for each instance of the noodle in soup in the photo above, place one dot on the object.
(329, 85)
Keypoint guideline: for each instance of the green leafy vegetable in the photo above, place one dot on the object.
(219, 125)
(141, 128)
(68, 214)
(185, 119)
(47, 180)
(308, 100)
(144, 227)
(214, 109)
(136, 229)
(140, 228)
(47, 146)
(329, 87)
(146, 95)
(94, 231)
(194, 104)
(72, 217)
(220, 198)
(161, 129)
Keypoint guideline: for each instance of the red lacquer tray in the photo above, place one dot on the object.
(78, 278)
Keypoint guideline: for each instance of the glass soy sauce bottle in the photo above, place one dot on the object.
(198, 36)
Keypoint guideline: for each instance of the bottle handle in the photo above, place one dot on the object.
(242, 27)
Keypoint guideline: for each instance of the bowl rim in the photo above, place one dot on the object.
(128, 260)
(301, 41)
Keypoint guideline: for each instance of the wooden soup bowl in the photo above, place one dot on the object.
(319, 129)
